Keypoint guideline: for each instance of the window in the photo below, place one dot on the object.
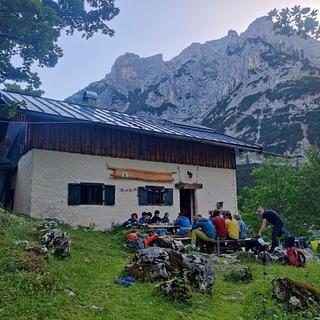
(158, 196)
(91, 194)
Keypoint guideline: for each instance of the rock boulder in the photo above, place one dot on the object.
(164, 264)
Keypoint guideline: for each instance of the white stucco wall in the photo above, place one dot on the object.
(50, 172)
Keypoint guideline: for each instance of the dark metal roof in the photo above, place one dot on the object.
(76, 112)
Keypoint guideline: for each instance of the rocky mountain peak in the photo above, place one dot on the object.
(261, 27)
(131, 66)
(257, 85)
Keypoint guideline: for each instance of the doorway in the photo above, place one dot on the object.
(187, 203)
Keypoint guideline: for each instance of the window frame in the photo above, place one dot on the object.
(147, 199)
(76, 197)
(92, 184)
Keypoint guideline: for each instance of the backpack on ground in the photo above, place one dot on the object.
(166, 241)
(295, 257)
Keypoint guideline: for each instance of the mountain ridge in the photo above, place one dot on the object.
(257, 85)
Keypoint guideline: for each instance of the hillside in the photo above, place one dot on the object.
(257, 85)
(31, 288)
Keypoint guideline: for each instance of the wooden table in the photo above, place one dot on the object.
(161, 225)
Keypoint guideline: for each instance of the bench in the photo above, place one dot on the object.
(184, 240)
(216, 246)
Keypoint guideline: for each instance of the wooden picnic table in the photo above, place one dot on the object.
(161, 225)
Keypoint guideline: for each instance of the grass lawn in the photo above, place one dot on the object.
(98, 259)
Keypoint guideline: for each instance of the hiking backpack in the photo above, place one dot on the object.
(295, 257)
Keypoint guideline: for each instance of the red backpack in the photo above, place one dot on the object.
(295, 257)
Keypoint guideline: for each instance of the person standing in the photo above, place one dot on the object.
(277, 223)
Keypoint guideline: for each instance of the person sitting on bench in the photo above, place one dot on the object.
(202, 229)
(242, 226)
(131, 221)
(233, 229)
(144, 218)
(183, 224)
(156, 218)
(165, 218)
(219, 223)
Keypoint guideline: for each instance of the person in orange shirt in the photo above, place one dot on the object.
(233, 229)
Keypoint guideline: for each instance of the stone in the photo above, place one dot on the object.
(310, 255)
(267, 257)
(230, 266)
(164, 264)
(96, 308)
(198, 272)
(238, 273)
(59, 241)
(69, 293)
(32, 248)
(296, 295)
(43, 228)
(176, 289)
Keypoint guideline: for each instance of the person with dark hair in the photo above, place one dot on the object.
(233, 229)
(202, 229)
(183, 224)
(165, 218)
(149, 217)
(219, 223)
(156, 218)
(131, 221)
(272, 217)
(144, 218)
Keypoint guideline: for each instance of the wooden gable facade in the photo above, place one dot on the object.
(45, 132)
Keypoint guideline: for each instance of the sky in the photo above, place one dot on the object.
(149, 27)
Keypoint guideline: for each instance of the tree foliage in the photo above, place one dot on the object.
(29, 30)
(293, 191)
(13, 87)
(296, 21)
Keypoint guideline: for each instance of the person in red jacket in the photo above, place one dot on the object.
(219, 223)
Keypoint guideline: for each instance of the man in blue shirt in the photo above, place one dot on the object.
(202, 229)
(183, 224)
(144, 218)
(132, 221)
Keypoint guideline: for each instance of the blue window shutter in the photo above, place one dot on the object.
(168, 197)
(142, 196)
(109, 195)
(74, 194)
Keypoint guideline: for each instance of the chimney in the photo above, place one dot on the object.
(90, 98)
